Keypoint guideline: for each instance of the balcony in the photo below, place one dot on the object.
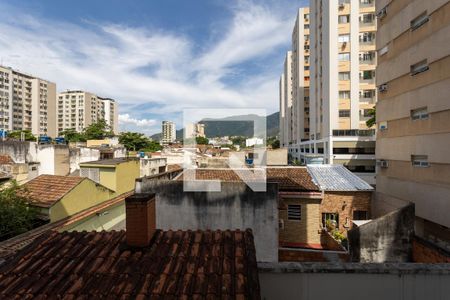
(354, 132)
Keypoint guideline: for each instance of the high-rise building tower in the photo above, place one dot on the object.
(79, 109)
(413, 113)
(333, 86)
(168, 134)
(27, 103)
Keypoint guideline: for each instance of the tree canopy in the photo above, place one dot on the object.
(16, 134)
(98, 131)
(16, 216)
(200, 140)
(135, 141)
(373, 119)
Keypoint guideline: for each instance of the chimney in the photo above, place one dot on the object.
(140, 219)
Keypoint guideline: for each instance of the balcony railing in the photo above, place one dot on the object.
(354, 132)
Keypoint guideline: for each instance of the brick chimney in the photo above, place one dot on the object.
(140, 219)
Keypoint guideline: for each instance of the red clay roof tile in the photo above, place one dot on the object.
(177, 264)
(45, 190)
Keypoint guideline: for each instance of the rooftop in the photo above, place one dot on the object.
(176, 264)
(108, 162)
(337, 178)
(45, 190)
(296, 178)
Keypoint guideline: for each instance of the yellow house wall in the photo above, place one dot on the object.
(126, 176)
(108, 178)
(83, 196)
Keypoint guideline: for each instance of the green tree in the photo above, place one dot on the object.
(98, 131)
(16, 215)
(273, 142)
(71, 135)
(16, 134)
(239, 140)
(134, 141)
(153, 146)
(200, 140)
(373, 117)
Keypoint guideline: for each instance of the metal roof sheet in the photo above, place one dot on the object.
(337, 178)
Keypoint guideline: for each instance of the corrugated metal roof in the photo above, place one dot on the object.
(337, 178)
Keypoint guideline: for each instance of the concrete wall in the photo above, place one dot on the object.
(277, 157)
(151, 166)
(80, 155)
(386, 239)
(54, 159)
(310, 281)
(20, 152)
(235, 207)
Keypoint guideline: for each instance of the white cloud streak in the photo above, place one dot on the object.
(142, 65)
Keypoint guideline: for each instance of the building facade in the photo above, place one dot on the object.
(194, 130)
(79, 109)
(168, 133)
(27, 103)
(413, 113)
(333, 79)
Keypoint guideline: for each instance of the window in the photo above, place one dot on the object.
(383, 50)
(344, 19)
(366, 56)
(420, 161)
(367, 18)
(306, 26)
(306, 16)
(343, 38)
(419, 67)
(419, 21)
(419, 114)
(330, 216)
(294, 212)
(366, 37)
(344, 75)
(366, 75)
(344, 113)
(360, 215)
(344, 56)
(344, 94)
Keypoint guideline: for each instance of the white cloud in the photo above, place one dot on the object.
(126, 119)
(141, 65)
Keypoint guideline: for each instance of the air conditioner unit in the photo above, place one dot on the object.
(383, 125)
(384, 163)
(382, 88)
(382, 13)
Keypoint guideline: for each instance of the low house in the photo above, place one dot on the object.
(152, 166)
(139, 263)
(58, 197)
(118, 174)
(321, 193)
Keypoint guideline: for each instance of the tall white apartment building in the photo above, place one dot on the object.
(168, 134)
(110, 113)
(294, 87)
(79, 109)
(27, 103)
(330, 125)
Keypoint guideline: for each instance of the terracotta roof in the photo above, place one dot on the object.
(15, 244)
(5, 159)
(296, 178)
(174, 167)
(45, 190)
(176, 264)
(292, 178)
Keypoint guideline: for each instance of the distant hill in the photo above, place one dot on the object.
(230, 126)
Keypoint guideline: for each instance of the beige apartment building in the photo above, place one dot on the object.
(413, 113)
(168, 133)
(79, 109)
(27, 103)
(333, 79)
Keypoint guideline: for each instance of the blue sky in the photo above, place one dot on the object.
(154, 57)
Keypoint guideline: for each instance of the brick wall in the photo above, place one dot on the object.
(424, 252)
(305, 232)
(344, 203)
